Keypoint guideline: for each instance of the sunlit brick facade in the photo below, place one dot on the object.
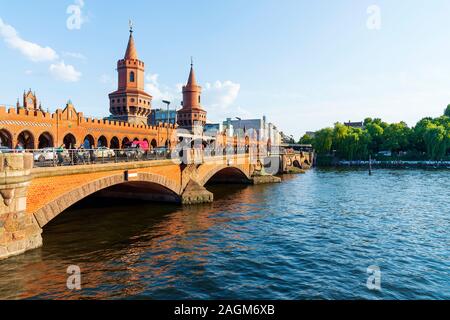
(30, 127)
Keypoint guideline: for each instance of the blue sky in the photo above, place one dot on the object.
(303, 64)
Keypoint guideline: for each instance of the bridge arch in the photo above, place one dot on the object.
(297, 164)
(232, 173)
(65, 200)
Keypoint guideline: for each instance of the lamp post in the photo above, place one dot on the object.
(168, 121)
(237, 135)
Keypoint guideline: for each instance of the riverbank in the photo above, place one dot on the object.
(327, 162)
(396, 164)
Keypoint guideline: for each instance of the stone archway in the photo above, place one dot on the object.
(6, 139)
(69, 141)
(125, 141)
(89, 142)
(102, 142)
(297, 164)
(45, 141)
(26, 140)
(114, 144)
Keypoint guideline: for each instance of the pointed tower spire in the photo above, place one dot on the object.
(192, 116)
(131, 53)
(192, 81)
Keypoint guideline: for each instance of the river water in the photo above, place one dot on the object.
(311, 237)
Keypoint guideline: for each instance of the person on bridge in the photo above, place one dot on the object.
(92, 155)
(19, 146)
(59, 154)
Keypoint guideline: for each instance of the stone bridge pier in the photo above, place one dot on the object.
(19, 231)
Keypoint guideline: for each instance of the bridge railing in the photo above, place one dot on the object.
(54, 157)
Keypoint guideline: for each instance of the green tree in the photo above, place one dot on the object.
(376, 133)
(447, 111)
(340, 140)
(417, 140)
(306, 139)
(397, 137)
(323, 140)
(429, 136)
(437, 141)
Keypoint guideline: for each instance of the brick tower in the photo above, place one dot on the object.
(192, 116)
(130, 103)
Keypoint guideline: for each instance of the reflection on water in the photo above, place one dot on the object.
(311, 237)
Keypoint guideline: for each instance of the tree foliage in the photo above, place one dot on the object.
(429, 138)
(447, 111)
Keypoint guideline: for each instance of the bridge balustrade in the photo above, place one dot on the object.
(54, 157)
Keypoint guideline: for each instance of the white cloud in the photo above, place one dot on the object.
(161, 92)
(218, 98)
(221, 95)
(64, 72)
(75, 55)
(30, 50)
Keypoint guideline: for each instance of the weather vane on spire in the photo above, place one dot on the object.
(192, 61)
(130, 23)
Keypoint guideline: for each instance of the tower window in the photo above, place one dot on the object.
(131, 76)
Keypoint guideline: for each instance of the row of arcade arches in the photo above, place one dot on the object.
(27, 140)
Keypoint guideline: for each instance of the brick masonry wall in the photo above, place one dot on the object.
(69, 121)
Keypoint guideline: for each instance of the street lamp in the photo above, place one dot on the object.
(237, 134)
(168, 121)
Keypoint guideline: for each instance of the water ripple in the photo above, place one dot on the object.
(311, 237)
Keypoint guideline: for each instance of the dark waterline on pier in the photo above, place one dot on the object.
(311, 237)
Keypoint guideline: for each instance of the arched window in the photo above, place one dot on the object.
(131, 76)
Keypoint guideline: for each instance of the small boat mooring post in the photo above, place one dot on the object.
(370, 165)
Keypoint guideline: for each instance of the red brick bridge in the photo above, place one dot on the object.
(32, 197)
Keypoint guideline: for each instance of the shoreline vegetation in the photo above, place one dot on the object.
(427, 144)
